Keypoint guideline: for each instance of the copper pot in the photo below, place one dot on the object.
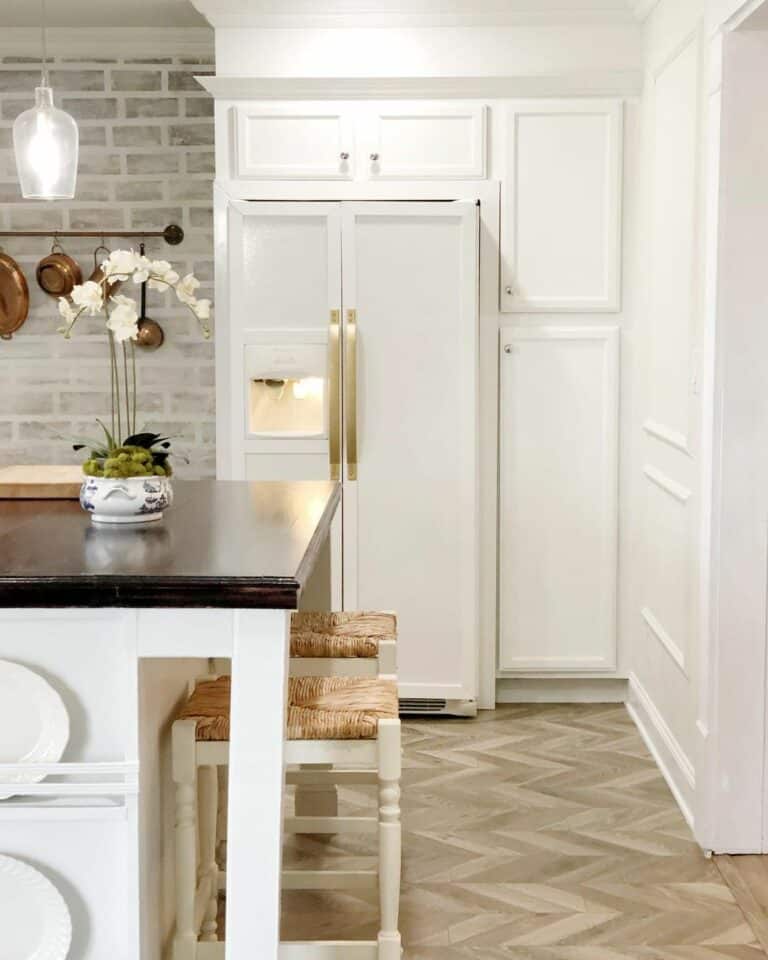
(14, 296)
(58, 274)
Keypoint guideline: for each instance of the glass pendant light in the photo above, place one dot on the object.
(45, 141)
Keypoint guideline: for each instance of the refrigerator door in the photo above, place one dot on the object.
(410, 329)
(278, 389)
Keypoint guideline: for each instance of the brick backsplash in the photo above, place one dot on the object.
(146, 159)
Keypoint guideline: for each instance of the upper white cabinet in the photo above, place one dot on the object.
(561, 220)
(427, 141)
(292, 141)
(358, 141)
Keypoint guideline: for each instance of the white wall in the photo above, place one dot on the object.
(664, 626)
(734, 686)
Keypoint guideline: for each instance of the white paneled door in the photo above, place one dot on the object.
(410, 297)
(558, 483)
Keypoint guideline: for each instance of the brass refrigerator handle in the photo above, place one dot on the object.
(350, 394)
(334, 395)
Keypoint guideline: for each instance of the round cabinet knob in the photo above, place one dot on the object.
(374, 157)
(344, 155)
(509, 291)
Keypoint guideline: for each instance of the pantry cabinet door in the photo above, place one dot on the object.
(558, 483)
(425, 141)
(292, 142)
(561, 219)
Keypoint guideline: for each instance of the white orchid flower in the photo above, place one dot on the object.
(185, 289)
(124, 319)
(202, 309)
(66, 311)
(88, 297)
(120, 264)
(161, 275)
(143, 267)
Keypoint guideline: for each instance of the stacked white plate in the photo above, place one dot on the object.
(34, 728)
(34, 724)
(35, 920)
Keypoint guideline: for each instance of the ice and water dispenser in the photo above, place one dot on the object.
(286, 390)
(287, 404)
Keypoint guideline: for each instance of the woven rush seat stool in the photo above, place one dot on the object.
(357, 644)
(330, 720)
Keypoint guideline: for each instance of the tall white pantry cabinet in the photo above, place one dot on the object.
(429, 321)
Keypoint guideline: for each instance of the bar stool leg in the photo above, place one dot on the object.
(390, 769)
(208, 796)
(184, 776)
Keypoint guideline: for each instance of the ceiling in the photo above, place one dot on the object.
(182, 13)
(104, 13)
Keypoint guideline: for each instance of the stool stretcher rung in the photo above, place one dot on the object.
(330, 950)
(330, 880)
(327, 667)
(336, 777)
(331, 825)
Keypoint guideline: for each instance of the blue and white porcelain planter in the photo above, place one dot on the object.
(132, 500)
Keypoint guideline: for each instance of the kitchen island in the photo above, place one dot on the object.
(118, 620)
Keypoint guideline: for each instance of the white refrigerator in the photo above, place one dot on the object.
(349, 351)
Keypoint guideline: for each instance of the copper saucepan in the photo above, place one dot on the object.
(58, 274)
(14, 296)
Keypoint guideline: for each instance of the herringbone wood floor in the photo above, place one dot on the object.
(538, 832)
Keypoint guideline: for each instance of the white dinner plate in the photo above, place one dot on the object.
(34, 724)
(34, 919)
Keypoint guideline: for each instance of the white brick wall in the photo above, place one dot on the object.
(146, 160)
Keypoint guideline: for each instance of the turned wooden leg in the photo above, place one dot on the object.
(185, 937)
(390, 768)
(208, 799)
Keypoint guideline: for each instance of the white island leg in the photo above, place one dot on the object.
(256, 775)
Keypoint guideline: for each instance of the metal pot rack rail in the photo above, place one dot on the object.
(173, 234)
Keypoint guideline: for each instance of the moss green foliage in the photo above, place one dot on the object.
(140, 455)
(128, 461)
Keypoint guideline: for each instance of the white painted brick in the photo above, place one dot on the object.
(146, 136)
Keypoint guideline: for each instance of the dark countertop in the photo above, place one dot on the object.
(222, 544)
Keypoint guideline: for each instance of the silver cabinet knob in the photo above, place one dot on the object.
(344, 155)
(374, 157)
(509, 291)
(508, 348)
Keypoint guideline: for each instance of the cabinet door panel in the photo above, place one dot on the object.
(558, 504)
(292, 142)
(561, 232)
(440, 141)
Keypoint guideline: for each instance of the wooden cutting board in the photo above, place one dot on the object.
(40, 483)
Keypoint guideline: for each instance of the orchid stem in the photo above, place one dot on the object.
(127, 391)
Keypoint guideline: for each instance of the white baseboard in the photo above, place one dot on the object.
(670, 757)
(561, 690)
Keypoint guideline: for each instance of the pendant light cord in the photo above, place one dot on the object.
(44, 43)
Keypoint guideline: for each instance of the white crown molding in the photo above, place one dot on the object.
(129, 41)
(433, 13)
(608, 83)
(533, 18)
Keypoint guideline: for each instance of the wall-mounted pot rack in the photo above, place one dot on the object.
(14, 293)
(173, 234)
